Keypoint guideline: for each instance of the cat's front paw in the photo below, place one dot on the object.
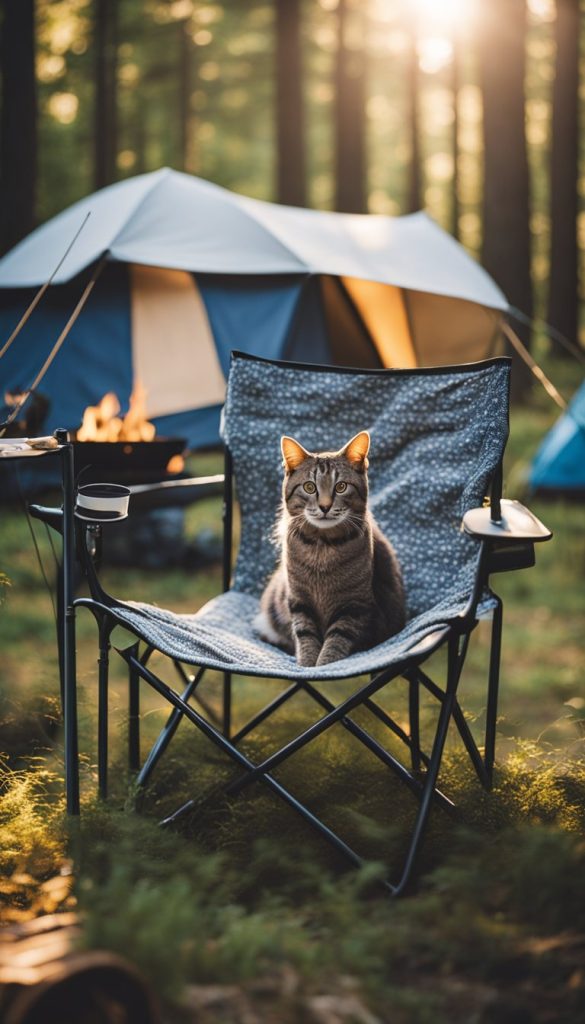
(327, 656)
(332, 652)
(307, 657)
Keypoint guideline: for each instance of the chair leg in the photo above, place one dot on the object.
(414, 719)
(462, 727)
(227, 704)
(376, 748)
(105, 629)
(169, 729)
(455, 664)
(133, 716)
(203, 704)
(394, 727)
(493, 688)
(261, 772)
(265, 712)
(224, 744)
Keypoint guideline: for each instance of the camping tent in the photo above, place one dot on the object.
(193, 271)
(559, 465)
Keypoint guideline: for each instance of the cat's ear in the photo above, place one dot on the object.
(293, 453)
(356, 450)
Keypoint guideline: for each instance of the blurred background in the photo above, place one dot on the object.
(467, 108)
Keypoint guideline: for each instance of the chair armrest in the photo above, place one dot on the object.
(517, 523)
(175, 492)
(53, 517)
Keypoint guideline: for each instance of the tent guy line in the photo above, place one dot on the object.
(33, 305)
(55, 349)
(533, 366)
(572, 346)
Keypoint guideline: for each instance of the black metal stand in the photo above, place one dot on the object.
(63, 521)
(67, 629)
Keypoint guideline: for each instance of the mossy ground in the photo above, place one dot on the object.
(242, 891)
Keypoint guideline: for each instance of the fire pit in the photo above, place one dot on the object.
(129, 462)
(111, 449)
(108, 447)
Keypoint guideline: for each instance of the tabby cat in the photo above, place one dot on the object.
(338, 588)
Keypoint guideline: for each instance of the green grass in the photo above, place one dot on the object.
(241, 892)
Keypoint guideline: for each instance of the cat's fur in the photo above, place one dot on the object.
(338, 588)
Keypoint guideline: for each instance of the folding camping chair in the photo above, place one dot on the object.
(438, 438)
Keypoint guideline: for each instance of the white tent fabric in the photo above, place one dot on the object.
(172, 220)
(166, 305)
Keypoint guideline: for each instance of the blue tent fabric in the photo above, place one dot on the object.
(278, 315)
(307, 339)
(249, 314)
(259, 268)
(97, 349)
(274, 314)
(437, 438)
(559, 465)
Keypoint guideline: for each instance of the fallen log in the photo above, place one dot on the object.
(46, 978)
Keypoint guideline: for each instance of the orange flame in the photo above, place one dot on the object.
(102, 423)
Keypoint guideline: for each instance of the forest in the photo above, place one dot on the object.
(235, 911)
(465, 108)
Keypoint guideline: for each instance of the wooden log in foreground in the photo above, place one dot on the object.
(45, 980)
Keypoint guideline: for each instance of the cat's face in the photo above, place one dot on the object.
(326, 488)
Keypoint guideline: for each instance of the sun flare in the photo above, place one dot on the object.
(443, 14)
(437, 25)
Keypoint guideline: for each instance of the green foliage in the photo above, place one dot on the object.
(199, 916)
(241, 891)
(31, 810)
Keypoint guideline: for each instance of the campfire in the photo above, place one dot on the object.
(101, 422)
(132, 436)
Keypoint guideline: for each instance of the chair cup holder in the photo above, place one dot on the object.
(102, 503)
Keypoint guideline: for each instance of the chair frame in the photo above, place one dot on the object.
(506, 535)
(509, 549)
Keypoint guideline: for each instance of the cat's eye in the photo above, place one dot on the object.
(309, 487)
(341, 487)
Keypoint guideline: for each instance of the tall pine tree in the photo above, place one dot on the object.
(414, 182)
(291, 185)
(563, 299)
(506, 203)
(105, 109)
(18, 122)
(350, 114)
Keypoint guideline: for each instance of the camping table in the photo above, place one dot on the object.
(66, 626)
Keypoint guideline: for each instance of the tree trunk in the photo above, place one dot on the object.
(105, 114)
(18, 123)
(563, 300)
(291, 186)
(506, 204)
(414, 200)
(186, 126)
(350, 118)
(455, 71)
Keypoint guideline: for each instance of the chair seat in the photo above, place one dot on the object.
(222, 636)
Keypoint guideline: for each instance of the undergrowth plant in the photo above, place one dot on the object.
(240, 894)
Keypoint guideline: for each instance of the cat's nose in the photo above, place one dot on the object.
(325, 508)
